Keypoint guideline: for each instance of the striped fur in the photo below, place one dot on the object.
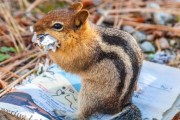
(124, 69)
(113, 72)
(108, 61)
(128, 50)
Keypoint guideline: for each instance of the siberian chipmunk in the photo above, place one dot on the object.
(108, 61)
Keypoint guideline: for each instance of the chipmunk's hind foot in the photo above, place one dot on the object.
(131, 112)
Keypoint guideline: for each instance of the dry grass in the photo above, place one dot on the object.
(15, 32)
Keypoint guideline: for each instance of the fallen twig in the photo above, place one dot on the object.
(11, 85)
(145, 10)
(18, 56)
(33, 5)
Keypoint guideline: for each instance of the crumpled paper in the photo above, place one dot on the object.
(48, 42)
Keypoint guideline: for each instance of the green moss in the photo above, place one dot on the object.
(7, 49)
(178, 18)
(4, 57)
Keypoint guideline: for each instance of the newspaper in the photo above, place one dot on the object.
(158, 90)
(157, 94)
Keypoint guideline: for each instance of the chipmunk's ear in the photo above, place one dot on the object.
(80, 18)
(76, 6)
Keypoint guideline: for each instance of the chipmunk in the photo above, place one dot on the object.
(108, 61)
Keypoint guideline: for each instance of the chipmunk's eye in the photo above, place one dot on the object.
(57, 26)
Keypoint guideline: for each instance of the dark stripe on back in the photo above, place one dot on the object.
(119, 64)
(119, 41)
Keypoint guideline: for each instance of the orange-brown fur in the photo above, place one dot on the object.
(75, 54)
(78, 52)
(75, 49)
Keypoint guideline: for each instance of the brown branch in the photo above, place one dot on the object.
(145, 10)
(33, 5)
(10, 86)
(7, 71)
(18, 56)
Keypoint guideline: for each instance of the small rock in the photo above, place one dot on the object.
(173, 42)
(128, 29)
(149, 16)
(153, 5)
(150, 37)
(147, 47)
(139, 36)
(163, 42)
(97, 2)
(23, 72)
(176, 61)
(151, 56)
(162, 18)
(163, 57)
(178, 45)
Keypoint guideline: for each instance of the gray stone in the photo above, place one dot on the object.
(147, 47)
(162, 18)
(23, 72)
(128, 29)
(153, 5)
(172, 42)
(163, 57)
(175, 42)
(163, 42)
(139, 36)
(97, 2)
(150, 37)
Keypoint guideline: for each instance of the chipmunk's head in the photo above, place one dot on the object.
(60, 25)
